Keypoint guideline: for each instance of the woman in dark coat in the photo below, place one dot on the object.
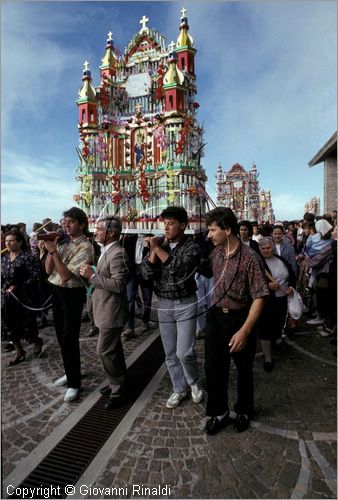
(245, 233)
(20, 285)
(281, 279)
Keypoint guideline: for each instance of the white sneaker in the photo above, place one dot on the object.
(61, 381)
(71, 394)
(196, 393)
(175, 399)
(316, 321)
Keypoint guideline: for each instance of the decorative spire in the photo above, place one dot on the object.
(109, 59)
(144, 21)
(86, 70)
(171, 48)
(110, 41)
(184, 38)
(87, 91)
(173, 75)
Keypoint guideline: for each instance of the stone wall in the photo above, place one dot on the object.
(330, 184)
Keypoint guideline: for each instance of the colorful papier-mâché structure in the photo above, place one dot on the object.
(140, 144)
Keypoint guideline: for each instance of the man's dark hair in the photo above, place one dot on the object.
(310, 225)
(247, 224)
(328, 217)
(18, 236)
(20, 225)
(278, 226)
(266, 229)
(79, 215)
(224, 218)
(309, 217)
(177, 213)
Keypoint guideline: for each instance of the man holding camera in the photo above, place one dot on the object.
(69, 293)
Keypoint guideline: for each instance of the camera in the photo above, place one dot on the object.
(50, 236)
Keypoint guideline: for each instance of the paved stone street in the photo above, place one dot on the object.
(289, 451)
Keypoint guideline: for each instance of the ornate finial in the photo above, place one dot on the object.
(86, 66)
(171, 46)
(110, 37)
(183, 12)
(144, 21)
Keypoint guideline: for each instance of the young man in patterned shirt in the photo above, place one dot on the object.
(63, 263)
(238, 299)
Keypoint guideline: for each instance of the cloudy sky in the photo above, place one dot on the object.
(266, 77)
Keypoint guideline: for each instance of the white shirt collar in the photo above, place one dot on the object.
(104, 249)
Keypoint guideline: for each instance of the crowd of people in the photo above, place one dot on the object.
(230, 285)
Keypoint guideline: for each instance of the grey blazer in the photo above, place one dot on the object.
(110, 302)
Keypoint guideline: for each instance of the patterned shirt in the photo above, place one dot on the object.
(239, 278)
(24, 273)
(73, 254)
(175, 278)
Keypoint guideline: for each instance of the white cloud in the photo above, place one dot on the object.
(266, 84)
(287, 207)
(33, 189)
(38, 68)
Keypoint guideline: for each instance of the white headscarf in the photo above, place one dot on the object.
(322, 226)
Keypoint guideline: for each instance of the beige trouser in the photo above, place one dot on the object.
(109, 350)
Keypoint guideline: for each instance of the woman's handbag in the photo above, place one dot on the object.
(295, 305)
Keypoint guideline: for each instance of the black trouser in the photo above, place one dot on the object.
(272, 320)
(220, 327)
(19, 322)
(67, 310)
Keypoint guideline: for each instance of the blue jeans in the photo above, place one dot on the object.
(205, 289)
(177, 321)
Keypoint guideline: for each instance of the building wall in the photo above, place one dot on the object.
(330, 184)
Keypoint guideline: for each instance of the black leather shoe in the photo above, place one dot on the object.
(214, 425)
(112, 403)
(105, 391)
(241, 422)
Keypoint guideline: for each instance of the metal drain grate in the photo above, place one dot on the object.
(71, 456)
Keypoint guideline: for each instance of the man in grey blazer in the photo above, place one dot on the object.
(110, 305)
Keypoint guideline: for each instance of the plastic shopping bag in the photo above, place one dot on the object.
(295, 305)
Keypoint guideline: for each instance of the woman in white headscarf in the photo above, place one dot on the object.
(281, 279)
(316, 242)
(319, 253)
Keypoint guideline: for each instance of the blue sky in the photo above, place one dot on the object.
(266, 79)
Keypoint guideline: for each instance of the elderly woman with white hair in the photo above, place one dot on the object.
(281, 279)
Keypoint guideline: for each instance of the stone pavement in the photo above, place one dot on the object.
(289, 451)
